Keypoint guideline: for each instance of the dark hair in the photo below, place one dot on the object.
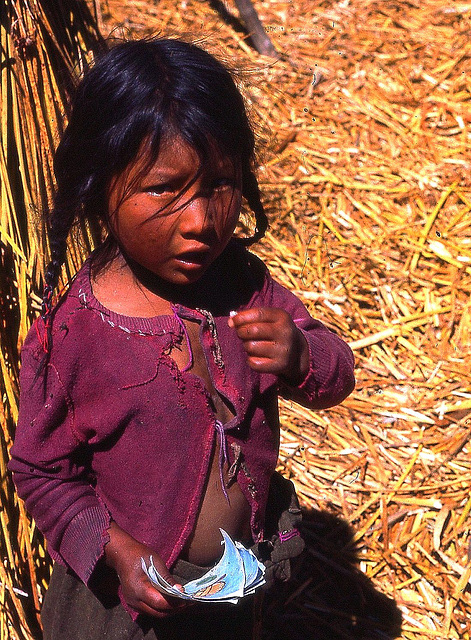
(135, 92)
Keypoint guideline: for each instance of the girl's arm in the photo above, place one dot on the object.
(49, 466)
(314, 366)
(51, 473)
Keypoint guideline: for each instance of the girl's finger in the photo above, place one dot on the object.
(161, 612)
(263, 349)
(256, 332)
(263, 365)
(157, 603)
(255, 315)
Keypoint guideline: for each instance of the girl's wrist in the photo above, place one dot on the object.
(299, 371)
(304, 357)
(119, 541)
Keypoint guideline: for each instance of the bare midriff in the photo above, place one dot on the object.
(231, 513)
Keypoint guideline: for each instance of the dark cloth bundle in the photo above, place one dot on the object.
(283, 540)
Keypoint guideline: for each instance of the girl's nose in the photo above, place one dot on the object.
(198, 216)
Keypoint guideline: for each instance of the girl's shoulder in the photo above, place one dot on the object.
(262, 289)
(76, 297)
(65, 314)
(249, 264)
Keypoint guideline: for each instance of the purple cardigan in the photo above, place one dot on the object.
(113, 429)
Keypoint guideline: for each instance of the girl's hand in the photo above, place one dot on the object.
(273, 343)
(123, 553)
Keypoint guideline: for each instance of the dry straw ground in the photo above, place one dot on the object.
(366, 130)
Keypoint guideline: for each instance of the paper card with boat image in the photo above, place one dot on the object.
(237, 574)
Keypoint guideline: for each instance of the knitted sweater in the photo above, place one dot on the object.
(113, 429)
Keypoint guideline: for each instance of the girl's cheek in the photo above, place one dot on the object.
(227, 216)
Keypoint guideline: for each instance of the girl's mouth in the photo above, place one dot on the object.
(194, 259)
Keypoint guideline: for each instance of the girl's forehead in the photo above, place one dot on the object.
(176, 157)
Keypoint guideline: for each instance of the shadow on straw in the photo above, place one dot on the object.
(328, 597)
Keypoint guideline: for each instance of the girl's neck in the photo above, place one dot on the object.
(129, 289)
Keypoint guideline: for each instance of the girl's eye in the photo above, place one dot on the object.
(158, 189)
(223, 183)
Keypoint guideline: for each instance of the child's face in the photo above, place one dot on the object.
(172, 234)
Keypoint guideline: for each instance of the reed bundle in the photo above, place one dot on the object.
(366, 128)
(44, 46)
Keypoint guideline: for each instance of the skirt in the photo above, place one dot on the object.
(71, 611)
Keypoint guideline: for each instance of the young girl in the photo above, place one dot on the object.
(148, 412)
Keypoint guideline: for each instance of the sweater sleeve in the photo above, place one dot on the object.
(49, 466)
(330, 378)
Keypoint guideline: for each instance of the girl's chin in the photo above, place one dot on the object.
(186, 276)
